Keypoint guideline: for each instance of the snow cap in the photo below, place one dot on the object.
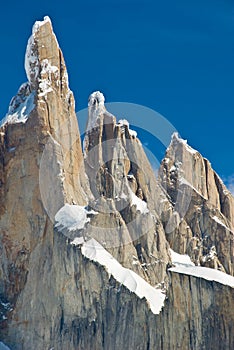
(96, 99)
(41, 45)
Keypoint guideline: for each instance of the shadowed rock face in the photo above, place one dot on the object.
(51, 295)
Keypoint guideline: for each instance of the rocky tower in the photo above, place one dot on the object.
(85, 239)
(206, 230)
(41, 161)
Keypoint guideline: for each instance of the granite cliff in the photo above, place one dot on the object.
(96, 253)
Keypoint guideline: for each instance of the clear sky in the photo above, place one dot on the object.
(176, 57)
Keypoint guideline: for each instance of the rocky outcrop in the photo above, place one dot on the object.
(122, 180)
(85, 259)
(203, 208)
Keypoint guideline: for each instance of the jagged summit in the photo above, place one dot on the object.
(46, 72)
(96, 99)
(176, 139)
(42, 53)
(95, 251)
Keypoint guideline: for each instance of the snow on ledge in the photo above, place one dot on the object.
(139, 203)
(215, 218)
(22, 112)
(94, 251)
(179, 259)
(72, 217)
(184, 265)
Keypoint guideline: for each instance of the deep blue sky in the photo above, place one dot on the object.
(176, 57)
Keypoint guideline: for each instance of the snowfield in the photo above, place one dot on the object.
(94, 251)
(184, 265)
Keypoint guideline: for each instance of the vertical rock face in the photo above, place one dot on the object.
(206, 229)
(84, 239)
(41, 159)
(121, 181)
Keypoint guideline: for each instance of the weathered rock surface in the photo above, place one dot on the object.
(121, 184)
(51, 295)
(34, 182)
(203, 207)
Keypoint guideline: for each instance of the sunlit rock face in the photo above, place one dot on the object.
(205, 208)
(88, 240)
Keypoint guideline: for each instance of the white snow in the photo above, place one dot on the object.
(96, 106)
(47, 71)
(95, 252)
(96, 98)
(220, 222)
(180, 259)
(21, 113)
(211, 255)
(183, 181)
(184, 265)
(191, 150)
(133, 133)
(140, 204)
(78, 241)
(72, 217)
(123, 196)
(3, 346)
(173, 168)
(123, 122)
(31, 62)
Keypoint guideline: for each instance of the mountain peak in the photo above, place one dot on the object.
(96, 99)
(84, 238)
(177, 140)
(43, 55)
(39, 24)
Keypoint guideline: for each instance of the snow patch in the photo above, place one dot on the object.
(96, 98)
(96, 106)
(123, 122)
(175, 136)
(183, 181)
(133, 133)
(211, 255)
(78, 241)
(139, 203)
(31, 62)
(72, 217)
(20, 113)
(184, 266)
(180, 259)
(155, 297)
(215, 218)
(47, 72)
